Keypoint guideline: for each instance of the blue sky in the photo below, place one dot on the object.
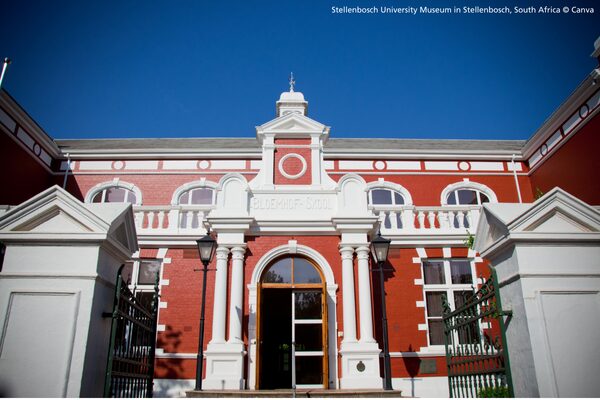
(93, 69)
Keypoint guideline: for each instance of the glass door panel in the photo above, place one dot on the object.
(307, 337)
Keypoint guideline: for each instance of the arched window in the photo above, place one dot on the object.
(384, 196)
(115, 195)
(467, 197)
(467, 193)
(383, 199)
(198, 193)
(197, 196)
(292, 270)
(114, 192)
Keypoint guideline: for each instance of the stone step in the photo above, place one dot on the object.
(301, 393)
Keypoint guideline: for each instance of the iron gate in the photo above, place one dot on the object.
(130, 366)
(476, 352)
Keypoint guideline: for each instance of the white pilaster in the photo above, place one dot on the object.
(349, 310)
(364, 296)
(220, 299)
(225, 360)
(360, 359)
(236, 310)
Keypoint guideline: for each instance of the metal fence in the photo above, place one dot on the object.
(130, 366)
(476, 352)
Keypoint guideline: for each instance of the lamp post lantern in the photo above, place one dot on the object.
(380, 247)
(206, 248)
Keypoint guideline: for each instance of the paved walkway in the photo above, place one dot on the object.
(301, 393)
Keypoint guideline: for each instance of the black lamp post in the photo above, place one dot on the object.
(379, 248)
(206, 248)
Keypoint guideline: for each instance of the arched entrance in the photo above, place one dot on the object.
(292, 325)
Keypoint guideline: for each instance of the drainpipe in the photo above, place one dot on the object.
(67, 171)
(514, 168)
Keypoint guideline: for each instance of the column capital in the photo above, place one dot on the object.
(347, 252)
(238, 252)
(362, 252)
(222, 252)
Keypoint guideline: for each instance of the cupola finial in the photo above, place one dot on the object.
(292, 82)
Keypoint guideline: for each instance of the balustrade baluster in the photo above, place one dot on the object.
(161, 219)
(393, 220)
(431, 218)
(150, 215)
(460, 216)
(421, 218)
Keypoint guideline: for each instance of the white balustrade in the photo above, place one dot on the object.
(160, 220)
(442, 220)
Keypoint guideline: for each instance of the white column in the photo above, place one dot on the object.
(236, 310)
(364, 296)
(220, 300)
(349, 305)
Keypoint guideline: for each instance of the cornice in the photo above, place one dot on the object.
(25, 121)
(580, 95)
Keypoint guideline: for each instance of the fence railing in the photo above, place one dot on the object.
(476, 350)
(131, 351)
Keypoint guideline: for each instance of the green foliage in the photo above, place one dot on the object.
(470, 240)
(495, 392)
(538, 193)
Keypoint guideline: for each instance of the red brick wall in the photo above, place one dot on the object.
(574, 167)
(182, 295)
(292, 165)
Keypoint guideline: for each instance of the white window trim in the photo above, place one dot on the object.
(202, 183)
(467, 185)
(114, 183)
(391, 186)
(447, 288)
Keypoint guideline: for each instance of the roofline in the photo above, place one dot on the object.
(26, 121)
(580, 95)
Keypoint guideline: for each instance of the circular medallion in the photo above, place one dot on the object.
(379, 165)
(544, 149)
(584, 111)
(37, 149)
(288, 166)
(203, 164)
(464, 165)
(118, 165)
(360, 367)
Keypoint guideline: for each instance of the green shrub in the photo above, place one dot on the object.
(501, 391)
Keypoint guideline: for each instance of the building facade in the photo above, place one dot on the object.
(294, 211)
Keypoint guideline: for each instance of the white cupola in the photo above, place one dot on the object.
(291, 102)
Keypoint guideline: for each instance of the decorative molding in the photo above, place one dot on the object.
(282, 170)
(114, 183)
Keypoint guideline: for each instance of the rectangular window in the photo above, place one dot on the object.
(453, 278)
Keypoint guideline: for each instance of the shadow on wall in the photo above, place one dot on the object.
(169, 368)
(412, 365)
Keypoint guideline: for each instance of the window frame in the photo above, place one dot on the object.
(392, 204)
(449, 289)
(116, 183)
(478, 194)
(133, 282)
(466, 185)
(190, 190)
(188, 187)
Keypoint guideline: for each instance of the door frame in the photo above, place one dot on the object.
(294, 288)
(292, 248)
